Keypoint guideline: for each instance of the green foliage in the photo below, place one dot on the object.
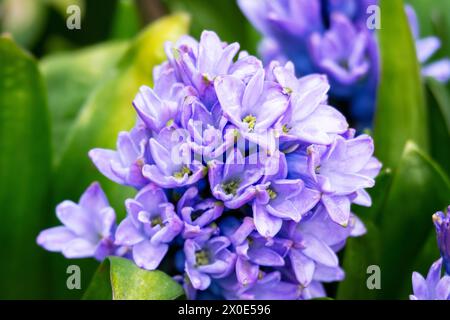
(70, 77)
(25, 157)
(439, 123)
(401, 113)
(222, 16)
(121, 279)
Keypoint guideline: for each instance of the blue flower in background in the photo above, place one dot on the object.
(442, 224)
(434, 287)
(331, 37)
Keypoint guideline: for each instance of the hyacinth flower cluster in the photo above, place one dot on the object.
(244, 179)
(436, 286)
(336, 38)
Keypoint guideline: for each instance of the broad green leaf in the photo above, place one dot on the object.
(401, 113)
(70, 77)
(121, 279)
(107, 111)
(360, 253)
(25, 158)
(419, 188)
(439, 119)
(126, 23)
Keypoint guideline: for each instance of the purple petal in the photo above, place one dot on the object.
(148, 256)
(338, 207)
(420, 288)
(79, 248)
(55, 239)
(246, 272)
(266, 224)
(102, 159)
(127, 234)
(319, 251)
(265, 257)
(303, 267)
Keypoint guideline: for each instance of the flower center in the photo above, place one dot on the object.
(180, 174)
(251, 121)
(287, 91)
(286, 129)
(272, 194)
(202, 258)
(317, 169)
(231, 187)
(157, 221)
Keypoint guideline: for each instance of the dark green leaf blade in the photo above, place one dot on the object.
(25, 158)
(360, 253)
(439, 123)
(70, 77)
(401, 112)
(419, 188)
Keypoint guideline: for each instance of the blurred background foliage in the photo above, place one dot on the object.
(65, 91)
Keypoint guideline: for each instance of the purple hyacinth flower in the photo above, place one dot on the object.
(280, 199)
(340, 171)
(269, 286)
(355, 10)
(199, 63)
(206, 259)
(234, 182)
(125, 164)
(254, 107)
(433, 287)
(252, 252)
(308, 118)
(160, 107)
(442, 224)
(149, 228)
(88, 229)
(197, 214)
(311, 246)
(426, 48)
(208, 134)
(343, 53)
(173, 164)
(285, 20)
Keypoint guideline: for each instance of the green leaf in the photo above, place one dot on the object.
(439, 123)
(121, 279)
(107, 111)
(434, 19)
(360, 253)
(419, 188)
(70, 78)
(401, 113)
(216, 16)
(25, 157)
(126, 22)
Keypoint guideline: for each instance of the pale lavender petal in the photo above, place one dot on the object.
(55, 239)
(149, 256)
